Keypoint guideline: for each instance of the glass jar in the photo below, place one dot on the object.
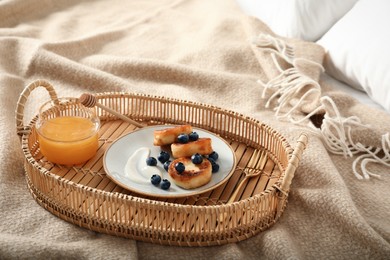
(67, 131)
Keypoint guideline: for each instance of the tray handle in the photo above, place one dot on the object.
(20, 128)
(293, 164)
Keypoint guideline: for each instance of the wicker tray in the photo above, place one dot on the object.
(85, 196)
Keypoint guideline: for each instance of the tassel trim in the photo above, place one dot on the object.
(291, 90)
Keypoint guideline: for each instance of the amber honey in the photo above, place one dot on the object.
(68, 133)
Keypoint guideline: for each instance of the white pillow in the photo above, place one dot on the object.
(358, 49)
(303, 19)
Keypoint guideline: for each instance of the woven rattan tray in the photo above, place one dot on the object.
(85, 196)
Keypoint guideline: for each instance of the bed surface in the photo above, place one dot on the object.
(359, 95)
(172, 49)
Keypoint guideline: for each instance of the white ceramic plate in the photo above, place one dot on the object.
(117, 155)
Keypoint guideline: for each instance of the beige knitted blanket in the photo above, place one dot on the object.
(209, 52)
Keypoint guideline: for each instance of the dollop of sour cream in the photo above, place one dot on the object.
(136, 168)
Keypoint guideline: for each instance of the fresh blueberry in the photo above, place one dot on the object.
(151, 161)
(197, 158)
(193, 136)
(180, 167)
(155, 179)
(214, 155)
(165, 184)
(183, 138)
(215, 167)
(166, 164)
(211, 160)
(163, 157)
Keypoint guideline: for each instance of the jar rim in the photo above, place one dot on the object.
(73, 101)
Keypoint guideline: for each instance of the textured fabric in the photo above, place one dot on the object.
(194, 50)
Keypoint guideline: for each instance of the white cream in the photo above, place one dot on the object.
(148, 171)
(136, 168)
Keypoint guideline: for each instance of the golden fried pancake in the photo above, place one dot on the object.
(169, 135)
(201, 146)
(194, 175)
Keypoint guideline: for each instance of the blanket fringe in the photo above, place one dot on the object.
(287, 88)
(372, 157)
(278, 46)
(292, 90)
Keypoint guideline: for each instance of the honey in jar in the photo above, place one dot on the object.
(67, 132)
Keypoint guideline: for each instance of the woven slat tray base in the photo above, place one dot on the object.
(85, 196)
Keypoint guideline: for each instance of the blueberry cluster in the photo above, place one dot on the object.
(164, 158)
(156, 179)
(185, 138)
(213, 157)
(164, 183)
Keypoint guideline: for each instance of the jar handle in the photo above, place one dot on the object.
(20, 128)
